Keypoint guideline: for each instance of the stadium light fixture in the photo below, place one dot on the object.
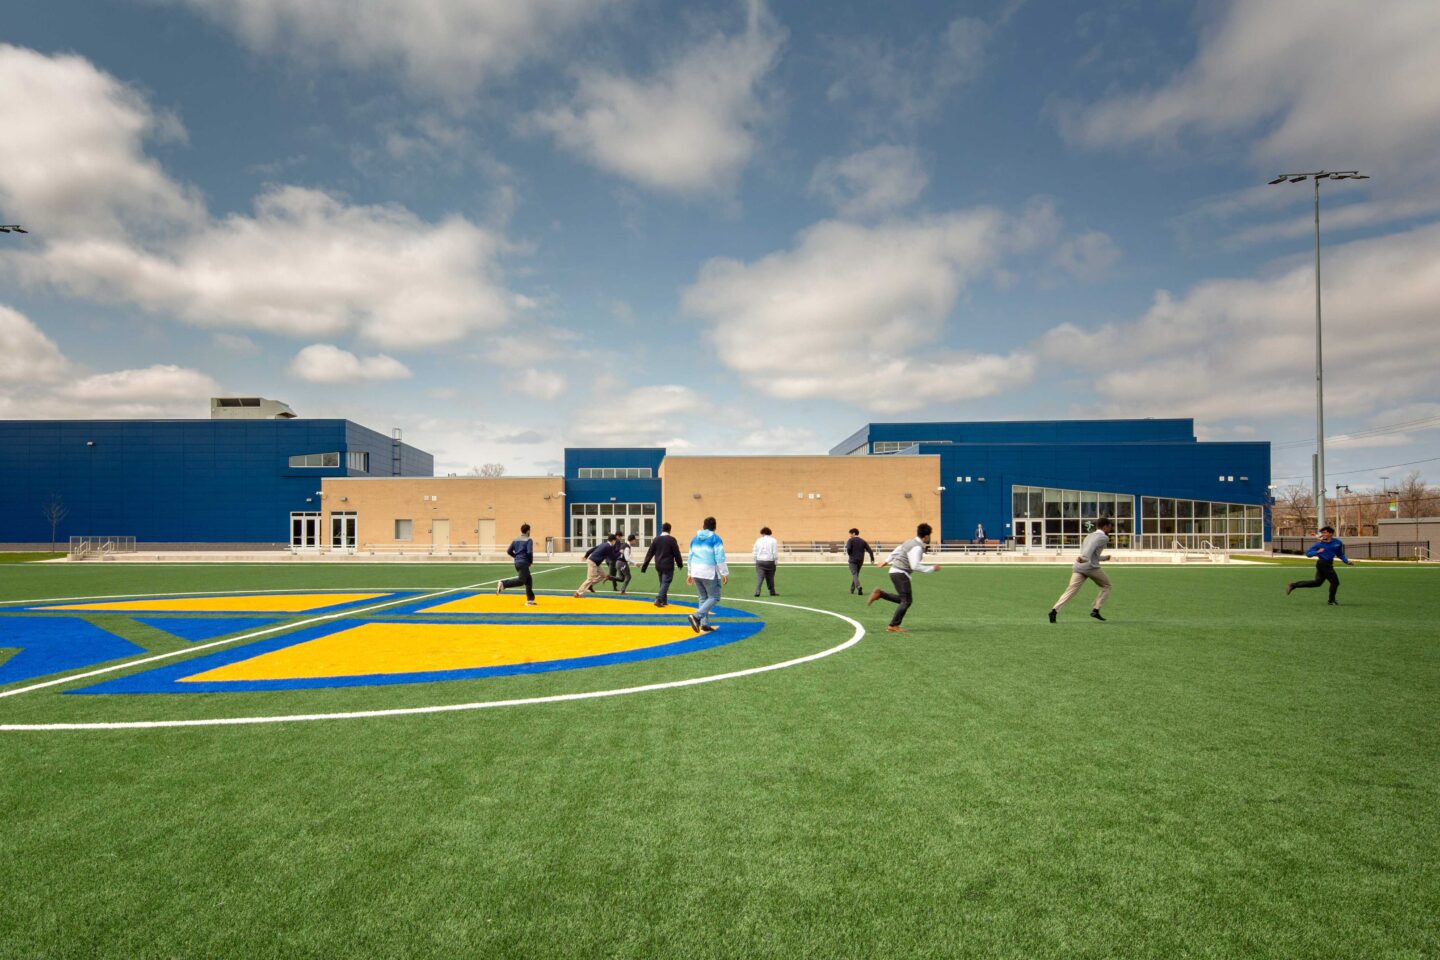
(1316, 177)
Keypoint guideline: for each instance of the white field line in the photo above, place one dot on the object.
(250, 636)
(855, 638)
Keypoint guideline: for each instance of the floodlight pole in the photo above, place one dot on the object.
(1316, 177)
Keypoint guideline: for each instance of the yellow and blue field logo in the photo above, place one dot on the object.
(361, 639)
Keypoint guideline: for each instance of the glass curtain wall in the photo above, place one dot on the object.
(592, 522)
(1198, 524)
(1052, 517)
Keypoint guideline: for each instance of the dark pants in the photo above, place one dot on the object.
(1324, 572)
(855, 576)
(622, 576)
(765, 575)
(666, 575)
(614, 585)
(521, 578)
(901, 596)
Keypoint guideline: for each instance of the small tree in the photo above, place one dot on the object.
(1294, 511)
(488, 470)
(54, 510)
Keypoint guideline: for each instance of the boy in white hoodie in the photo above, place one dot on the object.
(708, 571)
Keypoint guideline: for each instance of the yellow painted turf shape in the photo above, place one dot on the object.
(514, 602)
(271, 603)
(380, 648)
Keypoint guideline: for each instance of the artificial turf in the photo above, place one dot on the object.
(1218, 771)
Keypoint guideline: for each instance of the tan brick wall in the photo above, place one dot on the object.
(802, 498)
(509, 501)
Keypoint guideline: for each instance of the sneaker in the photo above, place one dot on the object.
(659, 604)
(896, 630)
(1333, 603)
(1053, 614)
(1288, 588)
(708, 629)
(1096, 615)
(874, 595)
(499, 589)
(759, 594)
(529, 603)
(694, 622)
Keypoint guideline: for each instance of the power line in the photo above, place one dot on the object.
(1341, 473)
(1359, 434)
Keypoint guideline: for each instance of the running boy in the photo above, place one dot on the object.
(522, 551)
(1324, 553)
(904, 560)
(1087, 567)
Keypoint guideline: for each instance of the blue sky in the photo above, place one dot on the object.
(724, 227)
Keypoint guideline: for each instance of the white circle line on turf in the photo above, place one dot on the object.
(855, 638)
(248, 636)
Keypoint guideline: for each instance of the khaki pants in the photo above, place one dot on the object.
(593, 575)
(1076, 579)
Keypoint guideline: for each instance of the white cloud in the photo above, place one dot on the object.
(325, 363)
(688, 128)
(654, 416)
(1239, 348)
(306, 263)
(446, 47)
(161, 384)
(543, 384)
(783, 440)
(880, 180)
(1088, 256)
(1317, 81)
(859, 313)
(889, 86)
(26, 354)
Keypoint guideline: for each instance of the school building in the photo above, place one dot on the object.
(256, 476)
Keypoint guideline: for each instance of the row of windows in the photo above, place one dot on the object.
(1165, 508)
(1052, 503)
(612, 509)
(616, 473)
(354, 459)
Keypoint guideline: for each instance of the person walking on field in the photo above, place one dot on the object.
(1087, 567)
(708, 572)
(601, 553)
(855, 550)
(665, 551)
(904, 560)
(767, 552)
(1325, 552)
(622, 562)
(522, 551)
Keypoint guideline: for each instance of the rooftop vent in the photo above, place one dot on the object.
(249, 408)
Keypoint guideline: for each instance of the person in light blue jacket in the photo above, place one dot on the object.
(708, 572)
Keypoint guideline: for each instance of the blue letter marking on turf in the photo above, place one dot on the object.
(56, 644)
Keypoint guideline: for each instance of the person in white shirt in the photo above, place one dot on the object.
(904, 560)
(767, 551)
(1087, 567)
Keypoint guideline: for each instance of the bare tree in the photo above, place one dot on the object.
(1416, 498)
(54, 510)
(488, 470)
(1293, 514)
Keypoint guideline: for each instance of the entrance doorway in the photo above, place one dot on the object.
(1029, 534)
(342, 531)
(304, 531)
(485, 533)
(439, 536)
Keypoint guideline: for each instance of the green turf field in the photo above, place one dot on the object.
(1219, 771)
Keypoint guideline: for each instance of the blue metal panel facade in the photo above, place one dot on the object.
(175, 481)
(1183, 470)
(1178, 430)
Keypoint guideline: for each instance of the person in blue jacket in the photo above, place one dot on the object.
(522, 550)
(1325, 551)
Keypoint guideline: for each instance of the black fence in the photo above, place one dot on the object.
(1358, 550)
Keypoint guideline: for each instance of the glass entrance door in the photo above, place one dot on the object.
(305, 531)
(342, 531)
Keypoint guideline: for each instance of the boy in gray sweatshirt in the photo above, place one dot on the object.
(1087, 567)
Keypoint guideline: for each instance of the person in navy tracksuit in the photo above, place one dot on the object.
(1325, 553)
(522, 551)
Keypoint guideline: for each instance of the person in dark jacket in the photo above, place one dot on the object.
(855, 550)
(522, 551)
(1326, 551)
(599, 554)
(665, 551)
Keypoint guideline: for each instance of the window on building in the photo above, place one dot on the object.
(1052, 517)
(404, 529)
(616, 473)
(1200, 524)
(316, 460)
(592, 522)
(358, 460)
